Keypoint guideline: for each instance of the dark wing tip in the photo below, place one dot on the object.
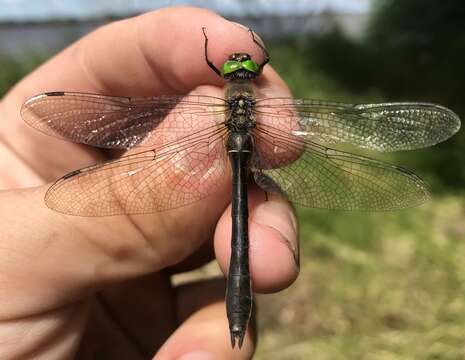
(71, 174)
(55, 93)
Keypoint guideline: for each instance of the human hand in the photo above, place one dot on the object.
(99, 287)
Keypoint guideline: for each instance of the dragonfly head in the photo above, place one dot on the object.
(240, 66)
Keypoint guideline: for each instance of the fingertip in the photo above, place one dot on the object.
(159, 52)
(273, 237)
(204, 332)
(273, 245)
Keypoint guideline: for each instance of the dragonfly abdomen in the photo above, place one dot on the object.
(239, 294)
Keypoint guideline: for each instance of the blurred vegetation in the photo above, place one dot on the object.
(412, 50)
(13, 69)
(386, 285)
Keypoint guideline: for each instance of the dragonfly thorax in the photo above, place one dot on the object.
(241, 117)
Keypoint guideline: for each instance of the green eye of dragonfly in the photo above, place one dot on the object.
(250, 65)
(233, 65)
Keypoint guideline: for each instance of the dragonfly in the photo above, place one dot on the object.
(191, 145)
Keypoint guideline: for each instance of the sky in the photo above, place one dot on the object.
(23, 10)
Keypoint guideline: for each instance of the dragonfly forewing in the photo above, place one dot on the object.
(119, 122)
(382, 127)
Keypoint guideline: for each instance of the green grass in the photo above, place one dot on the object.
(374, 286)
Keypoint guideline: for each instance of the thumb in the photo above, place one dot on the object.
(58, 259)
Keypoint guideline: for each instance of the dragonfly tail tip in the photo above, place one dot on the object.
(239, 336)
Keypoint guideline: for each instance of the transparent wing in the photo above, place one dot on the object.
(162, 178)
(382, 127)
(316, 176)
(117, 122)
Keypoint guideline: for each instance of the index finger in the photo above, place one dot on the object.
(161, 52)
(156, 53)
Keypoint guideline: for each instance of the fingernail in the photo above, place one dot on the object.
(240, 25)
(198, 355)
(279, 216)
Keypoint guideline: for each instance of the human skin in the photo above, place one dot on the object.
(99, 287)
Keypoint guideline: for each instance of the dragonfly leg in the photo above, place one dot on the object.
(210, 64)
(265, 52)
(266, 195)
